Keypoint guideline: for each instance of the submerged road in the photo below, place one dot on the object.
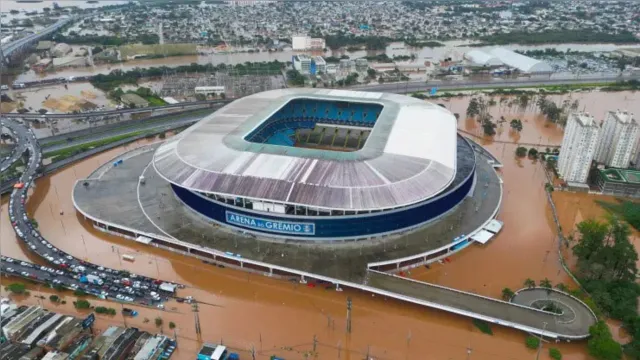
(70, 272)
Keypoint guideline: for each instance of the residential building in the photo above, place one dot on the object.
(618, 140)
(307, 43)
(578, 148)
(302, 63)
(321, 65)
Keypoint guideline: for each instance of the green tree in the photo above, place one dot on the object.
(533, 153)
(16, 288)
(172, 325)
(474, 108)
(82, 304)
(54, 298)
(371, 73)
(521, 151)
(507, 294)
(545, 283)
(555, 354)
(159, 321)
(532, 342)
(516, 125)
(529, 283)
(601, 344)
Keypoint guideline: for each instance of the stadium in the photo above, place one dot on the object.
(321, 165)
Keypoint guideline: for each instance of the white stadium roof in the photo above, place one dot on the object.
(479, 57)
(521, 62)
(410, 155)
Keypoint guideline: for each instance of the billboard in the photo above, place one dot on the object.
(276, 226)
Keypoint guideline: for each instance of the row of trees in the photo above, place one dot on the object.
(116, 78)
(606, 267)
(559, 36)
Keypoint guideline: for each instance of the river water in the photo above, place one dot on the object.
(277, 317)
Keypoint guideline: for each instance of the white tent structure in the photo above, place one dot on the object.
(481, 58)
(523, 63)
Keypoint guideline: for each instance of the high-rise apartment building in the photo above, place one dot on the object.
(618, 140)
(578, 147)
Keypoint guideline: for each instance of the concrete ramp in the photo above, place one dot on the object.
(492, 310)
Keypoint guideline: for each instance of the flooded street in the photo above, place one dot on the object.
(278, 317)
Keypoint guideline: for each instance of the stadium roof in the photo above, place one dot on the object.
(521, 62)
(409, 156)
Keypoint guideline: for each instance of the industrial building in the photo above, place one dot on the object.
(578, 148)
(307, 43)
(618, 141)
(134, 99)
(34, 333)
(502, 56)
(481, 58)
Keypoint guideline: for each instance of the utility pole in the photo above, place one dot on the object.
(348, 315)
(540, 345)
(315, 343)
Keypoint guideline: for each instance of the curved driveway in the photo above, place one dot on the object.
(113, 283)
(575, 315)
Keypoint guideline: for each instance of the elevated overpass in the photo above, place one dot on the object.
(7, 50)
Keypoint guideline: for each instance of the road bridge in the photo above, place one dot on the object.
(7, 50)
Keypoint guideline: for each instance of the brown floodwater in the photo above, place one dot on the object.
(277, 317)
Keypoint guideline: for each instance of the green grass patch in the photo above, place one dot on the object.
(483, 326)
(62, 154)
(155, 101)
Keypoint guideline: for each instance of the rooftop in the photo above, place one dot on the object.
(585, 120)
(623, 117)
(410, 155)
(621, 175)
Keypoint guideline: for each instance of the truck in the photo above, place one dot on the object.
(168, 287)
(94, 279)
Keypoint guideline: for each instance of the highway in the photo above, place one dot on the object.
(9, 48)
(14, 156)
(421, 86)
(67, 270)
(115, 112)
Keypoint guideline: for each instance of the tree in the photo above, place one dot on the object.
(172, 325)
(371, 73)
(16, 288)
(54, 298)
(546, 283)
(529, 283)
(516, 125)
(507, 294)
(533, 153)
(532, 342)
(521, 151)
(81, 304)
(562, 287)
(601, 344)
(555, 354)
(159, 321)
(474, 108)
(604, 251)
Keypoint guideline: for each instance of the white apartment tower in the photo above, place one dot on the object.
(618, 139)
(578, 147)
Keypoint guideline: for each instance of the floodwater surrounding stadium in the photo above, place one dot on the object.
(277, 317)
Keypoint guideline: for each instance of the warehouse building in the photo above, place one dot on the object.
(518, 61)
(481, 58)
